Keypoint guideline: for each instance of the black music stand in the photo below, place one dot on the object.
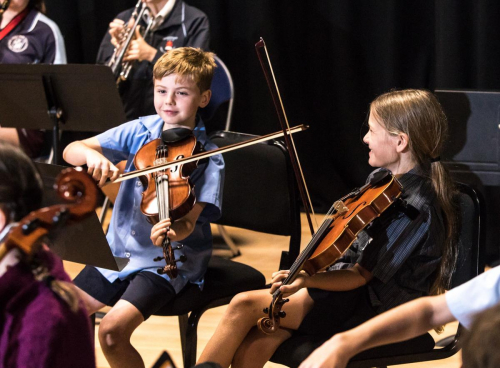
(83, 242)
(59, 98)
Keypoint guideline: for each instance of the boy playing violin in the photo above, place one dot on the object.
(182, 79)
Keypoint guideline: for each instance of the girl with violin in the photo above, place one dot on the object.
(182, 79)
(42, 321)
(407, 252)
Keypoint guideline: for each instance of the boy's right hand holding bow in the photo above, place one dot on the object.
(89, 152)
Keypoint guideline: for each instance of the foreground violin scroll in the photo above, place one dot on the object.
(72, 185)
(197, 157)
(342, 224)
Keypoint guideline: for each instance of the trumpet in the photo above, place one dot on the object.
(121, 69)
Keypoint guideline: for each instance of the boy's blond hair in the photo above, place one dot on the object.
(190, 62)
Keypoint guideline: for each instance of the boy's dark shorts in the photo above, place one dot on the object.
(146, 291)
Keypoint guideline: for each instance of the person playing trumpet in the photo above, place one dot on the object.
(170, 24)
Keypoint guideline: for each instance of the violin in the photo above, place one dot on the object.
(169, 192)
(343, 222)
(72, 185)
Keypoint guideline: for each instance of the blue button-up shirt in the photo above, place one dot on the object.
(129, 231)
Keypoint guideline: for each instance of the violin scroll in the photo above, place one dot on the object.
(71, 185)
(270, 324)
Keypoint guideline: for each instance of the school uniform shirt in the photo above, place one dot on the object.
(37, 328)
(403, 247)
(184, 26)
(469, 299)
(36, 40)
(129, 232)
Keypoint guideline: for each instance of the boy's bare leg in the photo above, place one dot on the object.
(114, 335)
(92, 305)
(242, 315)
(115, 330)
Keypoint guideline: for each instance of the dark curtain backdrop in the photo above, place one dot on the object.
(331, 58)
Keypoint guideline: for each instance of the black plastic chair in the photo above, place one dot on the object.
(222, 92)
(470, 263)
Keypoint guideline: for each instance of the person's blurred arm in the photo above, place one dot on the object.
(402, 323)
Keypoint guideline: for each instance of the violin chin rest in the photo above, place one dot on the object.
(175, 135)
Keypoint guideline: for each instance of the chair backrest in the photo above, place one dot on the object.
(259, 188)
(222, 91)
(470, 260)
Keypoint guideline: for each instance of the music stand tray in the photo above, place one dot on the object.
(73, 97)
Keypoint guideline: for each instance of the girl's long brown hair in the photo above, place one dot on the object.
(418, 114)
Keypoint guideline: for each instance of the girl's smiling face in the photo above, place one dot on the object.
(382, 145)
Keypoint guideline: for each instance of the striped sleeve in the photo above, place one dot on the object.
(390, 248)
(58, 50)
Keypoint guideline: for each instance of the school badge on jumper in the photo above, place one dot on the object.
(18, 43)
(169, 43)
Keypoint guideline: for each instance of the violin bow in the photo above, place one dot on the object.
(199, 156)
(289, 142)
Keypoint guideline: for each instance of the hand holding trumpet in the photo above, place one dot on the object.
(138, 48)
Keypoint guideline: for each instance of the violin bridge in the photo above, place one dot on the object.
(340, 207)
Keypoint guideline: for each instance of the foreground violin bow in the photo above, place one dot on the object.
(289, 143)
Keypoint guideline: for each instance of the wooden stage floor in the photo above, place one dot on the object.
(261, 251)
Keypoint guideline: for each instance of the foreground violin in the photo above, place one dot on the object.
(169, 192)
(342, 224)
(74, 186)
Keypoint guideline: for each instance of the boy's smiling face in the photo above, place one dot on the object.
(177, 100)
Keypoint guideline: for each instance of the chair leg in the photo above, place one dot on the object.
(190, 332)
(229, 242)
(92, 324)
(183, 326)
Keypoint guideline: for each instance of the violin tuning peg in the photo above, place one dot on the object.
(180, 246)
(265, 310)
(30, 226)
(282, 314)
(182, 258)
(161, 271)
(158, 259)
(286, 300)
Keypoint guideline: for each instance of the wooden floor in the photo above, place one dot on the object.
(261, 251)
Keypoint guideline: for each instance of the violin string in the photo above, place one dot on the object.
(291, 138)
(305, 254)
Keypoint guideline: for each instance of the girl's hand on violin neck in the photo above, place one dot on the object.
(159, 231)
(297, 284)
(100, 167)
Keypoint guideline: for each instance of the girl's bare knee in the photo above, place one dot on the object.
(248, 302)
